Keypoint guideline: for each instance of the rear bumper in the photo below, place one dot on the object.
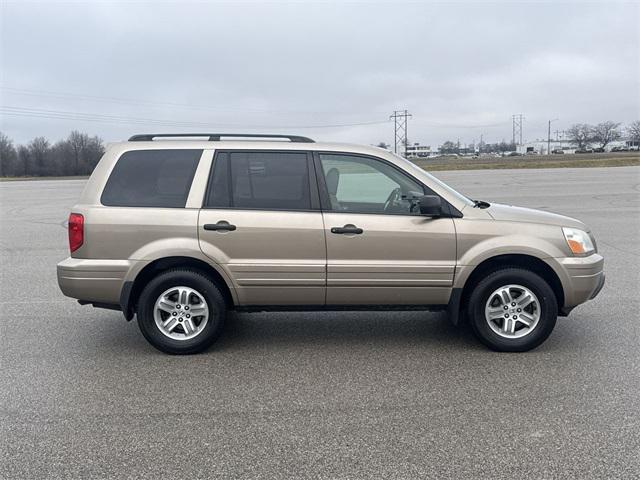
(93, 281)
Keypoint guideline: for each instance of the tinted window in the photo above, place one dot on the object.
(219, 183)
(151, 178)
(264, 180)
(366, 185)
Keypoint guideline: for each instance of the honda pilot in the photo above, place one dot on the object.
(178, 230)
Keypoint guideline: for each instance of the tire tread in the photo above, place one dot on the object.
(213, 296)
(477, 299)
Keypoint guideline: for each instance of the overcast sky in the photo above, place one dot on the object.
(462, 69)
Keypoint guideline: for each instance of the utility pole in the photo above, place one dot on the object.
(549, 136)
(400, 121)
(518, 121)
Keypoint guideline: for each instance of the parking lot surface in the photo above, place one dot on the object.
(322, 395)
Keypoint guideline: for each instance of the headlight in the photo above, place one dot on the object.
(578, 240)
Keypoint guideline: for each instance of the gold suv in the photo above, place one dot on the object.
(180, 229)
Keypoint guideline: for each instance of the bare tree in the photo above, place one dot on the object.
(505, 147)
(580, 134)
(39, 154)
(77, 141)
(24, 160)
(8, 156)
(606, 132)
(85, 151)
(633, 130)
(449, 147)
(93, 153)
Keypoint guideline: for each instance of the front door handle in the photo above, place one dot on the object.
(346, 230)
(222, 226)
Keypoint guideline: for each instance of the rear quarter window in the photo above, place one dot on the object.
(151, 178)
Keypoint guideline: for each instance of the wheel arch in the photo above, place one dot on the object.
(527, 262)
(132, 289)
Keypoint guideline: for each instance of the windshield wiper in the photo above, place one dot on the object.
(481, 204)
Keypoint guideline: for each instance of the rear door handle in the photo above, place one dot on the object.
(347, 229)
(222, 226)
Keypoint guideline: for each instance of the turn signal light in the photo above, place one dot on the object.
(579, 241)
(576, 247)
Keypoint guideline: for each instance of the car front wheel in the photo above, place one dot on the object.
(512, 310)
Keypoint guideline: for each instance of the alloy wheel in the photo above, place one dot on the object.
(512, 311)
(181, 313)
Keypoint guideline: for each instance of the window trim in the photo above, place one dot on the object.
(189, 183)
(314, 195)
(325, 202)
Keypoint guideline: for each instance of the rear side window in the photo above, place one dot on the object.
(260, 180)
(151, 178)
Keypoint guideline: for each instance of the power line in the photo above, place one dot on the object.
(94, 117)
(143, 102)
(453, 125)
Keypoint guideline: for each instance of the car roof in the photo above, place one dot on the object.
(249, 145)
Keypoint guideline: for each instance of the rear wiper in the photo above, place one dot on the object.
(481, 204)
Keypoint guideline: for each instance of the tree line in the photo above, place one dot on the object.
(78, 154)
(582, 135)
(449, 147)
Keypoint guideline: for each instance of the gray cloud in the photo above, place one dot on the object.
(462, 69)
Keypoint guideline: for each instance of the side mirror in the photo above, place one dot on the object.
(430, 206)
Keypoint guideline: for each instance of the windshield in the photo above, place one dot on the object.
(450, 190)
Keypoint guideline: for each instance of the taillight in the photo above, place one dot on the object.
(76, 231)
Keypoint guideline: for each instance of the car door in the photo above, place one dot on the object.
(261, 222)
(379, 249)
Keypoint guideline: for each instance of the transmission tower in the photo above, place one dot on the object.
(400, 120)
(518, 122)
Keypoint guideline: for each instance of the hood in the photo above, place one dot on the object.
(510, 213)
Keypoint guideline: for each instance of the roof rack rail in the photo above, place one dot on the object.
(216, 137)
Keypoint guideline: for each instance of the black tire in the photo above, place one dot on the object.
(187, 278)
(507, 276)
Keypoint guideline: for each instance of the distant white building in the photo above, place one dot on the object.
(418, 151)
(540, 146)
(624, 143)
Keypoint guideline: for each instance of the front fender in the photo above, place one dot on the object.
(480, 240)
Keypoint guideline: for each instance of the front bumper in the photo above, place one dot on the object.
(582, 278)
(93, 281)
(599, 287)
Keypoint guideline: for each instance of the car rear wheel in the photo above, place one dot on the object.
(512, 310)
(181, 312)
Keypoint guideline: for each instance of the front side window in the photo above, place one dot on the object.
(151, 178)
(260, 180)
(365, 185)
(459, 196)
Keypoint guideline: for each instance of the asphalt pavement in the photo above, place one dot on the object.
(321, 395)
